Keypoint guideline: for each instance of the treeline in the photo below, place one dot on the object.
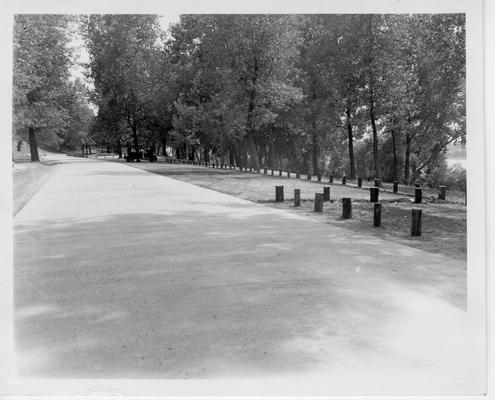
(367, 95)
(49, 107)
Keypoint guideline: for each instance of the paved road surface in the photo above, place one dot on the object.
(124, 273)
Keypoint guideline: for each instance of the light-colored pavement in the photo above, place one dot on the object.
(123, 273)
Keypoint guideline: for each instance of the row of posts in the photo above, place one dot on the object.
(417, 191)
(320, 198)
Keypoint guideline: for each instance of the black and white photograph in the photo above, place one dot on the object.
(208, 200)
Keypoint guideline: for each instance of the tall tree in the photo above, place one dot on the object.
(41, 70)
(120, 49)
(373, 78)
(348, 48)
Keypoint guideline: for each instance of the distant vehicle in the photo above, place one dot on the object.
(141, 154)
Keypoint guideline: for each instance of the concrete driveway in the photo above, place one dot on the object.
(121, 273)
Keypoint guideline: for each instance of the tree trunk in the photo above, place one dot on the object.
(295, 159)
(253, 153)
(315, 151)
(119, 149)
(394, 150)
(164, 144)
(33, 145)
(135, 138)
(272, 154)
(305, 163)
(243, 153)
(222, 153)
(352, 163)
(407, 159)
(235, 150)
(251, 146)
(376, 160)
(19, 145)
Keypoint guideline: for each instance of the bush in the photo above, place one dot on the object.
(454, 178)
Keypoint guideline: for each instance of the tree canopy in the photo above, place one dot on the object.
(357, 95)
(47, 106)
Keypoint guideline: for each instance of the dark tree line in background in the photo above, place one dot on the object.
(355, 95)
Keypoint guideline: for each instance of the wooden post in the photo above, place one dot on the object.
(416, 222)
(297, 197)
(418, 195)
(330, 179)
(377, 182)
(346, 208)
(279, 194)
(396, 186)
(360, 182)
(377, 215)
(319, 177)
(441, 195)
(309, 177)
(374, 193)
(318, 202)
(344, 180)
(326, 193)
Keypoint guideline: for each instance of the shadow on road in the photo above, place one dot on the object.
(200, 294)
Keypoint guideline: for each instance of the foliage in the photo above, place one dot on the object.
(122, 68)
(41, 73)
(366, 95)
